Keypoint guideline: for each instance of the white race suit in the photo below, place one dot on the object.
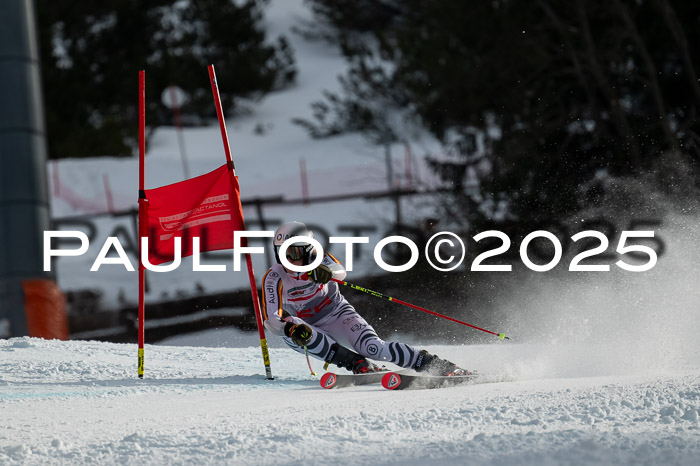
(292, 297)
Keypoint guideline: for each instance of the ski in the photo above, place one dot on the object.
(398, 381)
(332, 380)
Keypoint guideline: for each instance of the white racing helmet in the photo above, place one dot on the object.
(307, 252)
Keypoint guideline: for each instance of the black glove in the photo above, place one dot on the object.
(322, 274)
(299, 333)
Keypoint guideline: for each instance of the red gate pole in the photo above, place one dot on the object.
(143, 216)
(249, 263)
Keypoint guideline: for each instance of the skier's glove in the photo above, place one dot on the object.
(299, 333)
(321, 274)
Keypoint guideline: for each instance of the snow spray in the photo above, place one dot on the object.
(587, 324)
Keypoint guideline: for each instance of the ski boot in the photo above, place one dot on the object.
(433, 365)
(347, 359)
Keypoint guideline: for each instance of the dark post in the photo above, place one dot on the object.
(24, 208)
(390, 181)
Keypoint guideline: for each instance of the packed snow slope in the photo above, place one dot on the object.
(80, 403)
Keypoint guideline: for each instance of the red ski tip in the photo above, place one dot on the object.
(391, 381)
(328, 380)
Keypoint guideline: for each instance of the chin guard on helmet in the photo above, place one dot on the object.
(297, 251)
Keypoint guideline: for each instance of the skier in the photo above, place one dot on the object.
(308, 310)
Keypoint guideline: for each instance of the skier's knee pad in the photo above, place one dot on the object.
(398, 353)
(370, 345)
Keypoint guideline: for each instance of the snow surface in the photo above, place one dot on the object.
(80, 403)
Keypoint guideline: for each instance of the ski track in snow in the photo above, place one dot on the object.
(81, 403)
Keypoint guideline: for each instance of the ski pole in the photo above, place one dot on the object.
(308, 361)
(379, 295)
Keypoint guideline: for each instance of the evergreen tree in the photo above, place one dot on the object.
(559, 93)
(92, 51)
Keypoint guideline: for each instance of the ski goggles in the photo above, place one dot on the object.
(295, 253)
